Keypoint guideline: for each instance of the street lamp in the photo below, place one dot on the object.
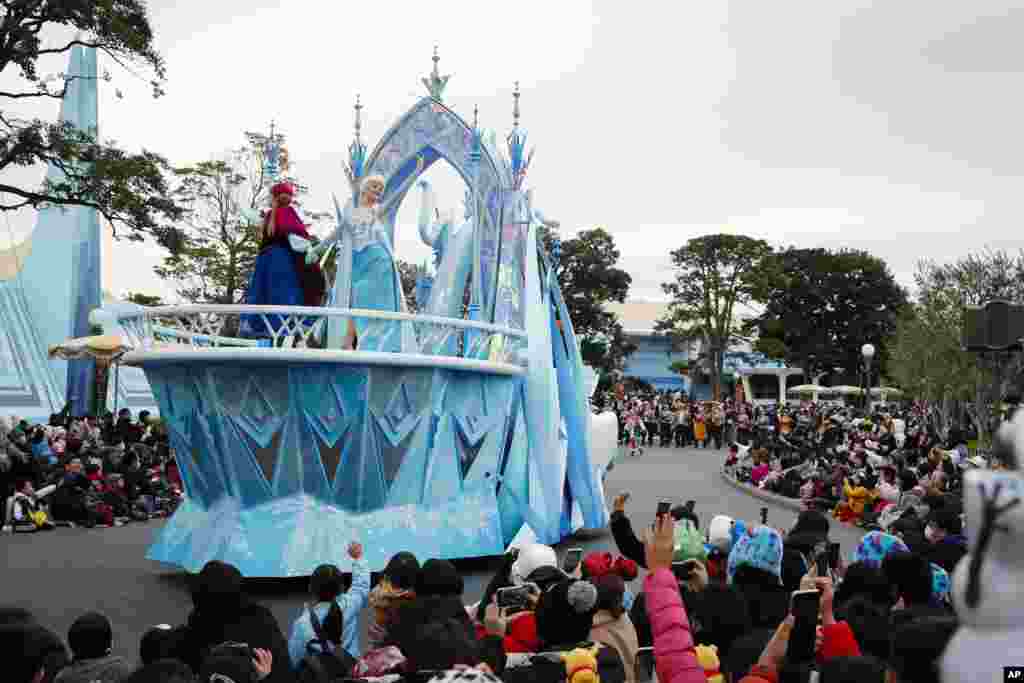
(868, 353)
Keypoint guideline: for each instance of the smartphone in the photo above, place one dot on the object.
(514, 597)
(804, 607)
(572, 559)
(682, 570)
(764, 515)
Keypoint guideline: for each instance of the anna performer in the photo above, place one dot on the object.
(281, 277)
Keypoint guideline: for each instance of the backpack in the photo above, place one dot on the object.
(324, 662)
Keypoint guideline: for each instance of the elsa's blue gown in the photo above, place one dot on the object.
(366, 279)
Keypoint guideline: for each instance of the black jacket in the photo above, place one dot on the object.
(629, 545)
(250, 623)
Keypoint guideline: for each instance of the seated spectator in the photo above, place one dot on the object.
(863, 581)
(688, 567)
(565, 614)
(674, 653)
(917, 648)
(26, 512)
(34, 654)
(161, 642)
(163, 671)
(336, 609)
(598, 564)
(90, 639)
(223, 614)
(438, 598)
(946, 544)
(445, 647)
(397, 586)
(611, 623)
(755, 569)
(809, 532)
(238, 663)
(535, 563)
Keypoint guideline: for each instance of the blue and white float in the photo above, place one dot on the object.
(477, 431)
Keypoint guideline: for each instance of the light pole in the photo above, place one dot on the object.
(868, 353)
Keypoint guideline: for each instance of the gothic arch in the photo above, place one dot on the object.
(433, 131)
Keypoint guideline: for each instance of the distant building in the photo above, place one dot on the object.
(760, 379)
(653, 355)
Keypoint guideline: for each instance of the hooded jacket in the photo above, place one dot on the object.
(109, 669)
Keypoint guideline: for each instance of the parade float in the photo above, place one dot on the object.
(448, 433)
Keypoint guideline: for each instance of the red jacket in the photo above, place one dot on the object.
(837, 641)
(521, 635)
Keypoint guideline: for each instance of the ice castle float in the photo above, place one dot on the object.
(481, 435)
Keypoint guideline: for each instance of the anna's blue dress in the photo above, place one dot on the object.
(281, 277)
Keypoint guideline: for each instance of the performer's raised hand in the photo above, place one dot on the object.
(355, 550)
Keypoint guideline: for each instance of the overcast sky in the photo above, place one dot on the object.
(893, 127)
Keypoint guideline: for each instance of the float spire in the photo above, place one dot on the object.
(435, 83)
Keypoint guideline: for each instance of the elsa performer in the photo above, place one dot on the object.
(367, 277)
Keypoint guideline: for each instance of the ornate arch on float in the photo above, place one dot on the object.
(432, 131)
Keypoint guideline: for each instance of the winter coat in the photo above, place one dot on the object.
(109, 669)
(520, 636)
(673, 644)
(385, 600)
(618, 633)
(248, 623)
(351, 604)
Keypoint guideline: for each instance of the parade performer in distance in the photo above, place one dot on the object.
(367, 277)
(282, 277)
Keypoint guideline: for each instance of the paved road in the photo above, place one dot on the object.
(61, 574)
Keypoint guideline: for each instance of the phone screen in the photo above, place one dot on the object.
(764, 515)
(805, 608)
(572, 560)
(515, 597)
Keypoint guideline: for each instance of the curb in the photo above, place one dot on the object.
(782, 501)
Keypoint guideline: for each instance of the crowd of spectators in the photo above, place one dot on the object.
(89, 472)
(682, 603)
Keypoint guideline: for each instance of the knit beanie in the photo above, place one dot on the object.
(625, 568)
(597, 564)
(565, 613)
(759, 548)
(874, 547)
(689, 544)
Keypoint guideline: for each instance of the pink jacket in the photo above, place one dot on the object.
(674, 655)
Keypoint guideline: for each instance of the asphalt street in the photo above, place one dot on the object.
(61, 574)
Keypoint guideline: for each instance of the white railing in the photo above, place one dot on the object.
(215, 325)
